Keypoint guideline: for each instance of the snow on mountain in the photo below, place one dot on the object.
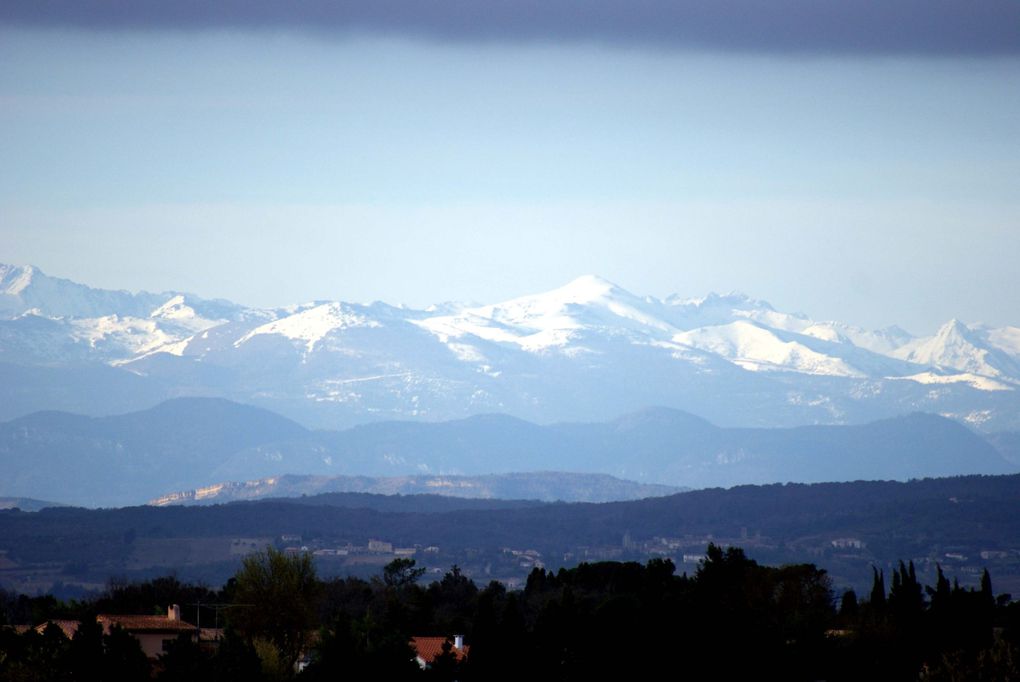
(168, 329)
(553, 319)
(173, 348)
(882, 341)
(715, 309)
(23, 288)
(585, 350)
(311, 324)
(956, 348)
(1006, 339)
(115, 335)
(14, 279)
(756, 348)
(177, 312)
(116, 338)
(580, 317)
(982, 383)
(449, 308)
(112, 326)
(826, 332)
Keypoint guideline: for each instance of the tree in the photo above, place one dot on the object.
(906, 597)
(85, 653)
(124, 659)
(877, 599)
(453, 600)
(184, 661)
(276, 596)
(401, 572)
(848, 607)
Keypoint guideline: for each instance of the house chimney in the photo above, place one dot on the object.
(174, 612)
(458, 642)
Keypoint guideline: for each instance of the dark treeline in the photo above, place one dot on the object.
(733, 618)
(895, 519)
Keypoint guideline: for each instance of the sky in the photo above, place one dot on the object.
(852, 161)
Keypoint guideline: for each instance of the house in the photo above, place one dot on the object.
(154, 633)
(380, 546)
(426, 649)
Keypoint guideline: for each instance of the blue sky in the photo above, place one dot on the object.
(275, 163)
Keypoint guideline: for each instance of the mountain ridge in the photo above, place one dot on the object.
(589, 350)
(197, 443)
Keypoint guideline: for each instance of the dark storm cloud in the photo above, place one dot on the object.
(923, 27)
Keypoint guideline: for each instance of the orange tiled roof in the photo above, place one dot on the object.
(144, 623)
(68, 627)
(427, 648)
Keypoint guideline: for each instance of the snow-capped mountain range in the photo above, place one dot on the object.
(588, 350)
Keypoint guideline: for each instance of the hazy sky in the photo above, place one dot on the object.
(853, 164)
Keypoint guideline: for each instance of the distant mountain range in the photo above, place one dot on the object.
(191, 443)
(585, 352)
(545, 486)
(25, 504)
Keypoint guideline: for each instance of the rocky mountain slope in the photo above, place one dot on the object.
(546, 486)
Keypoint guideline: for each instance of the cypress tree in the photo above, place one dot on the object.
(986, 589)
(877, 597)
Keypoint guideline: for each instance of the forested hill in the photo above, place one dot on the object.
(968, 522)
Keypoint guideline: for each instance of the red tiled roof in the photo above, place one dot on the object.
(427, 648)
(144, 623)
(130, 623)
(68, 627)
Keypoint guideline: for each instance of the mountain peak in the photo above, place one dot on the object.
(588, 288)
(734, 299)
(956, 347)
(954, 332)
(552, 319)
(15, 278)
(174, 307)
